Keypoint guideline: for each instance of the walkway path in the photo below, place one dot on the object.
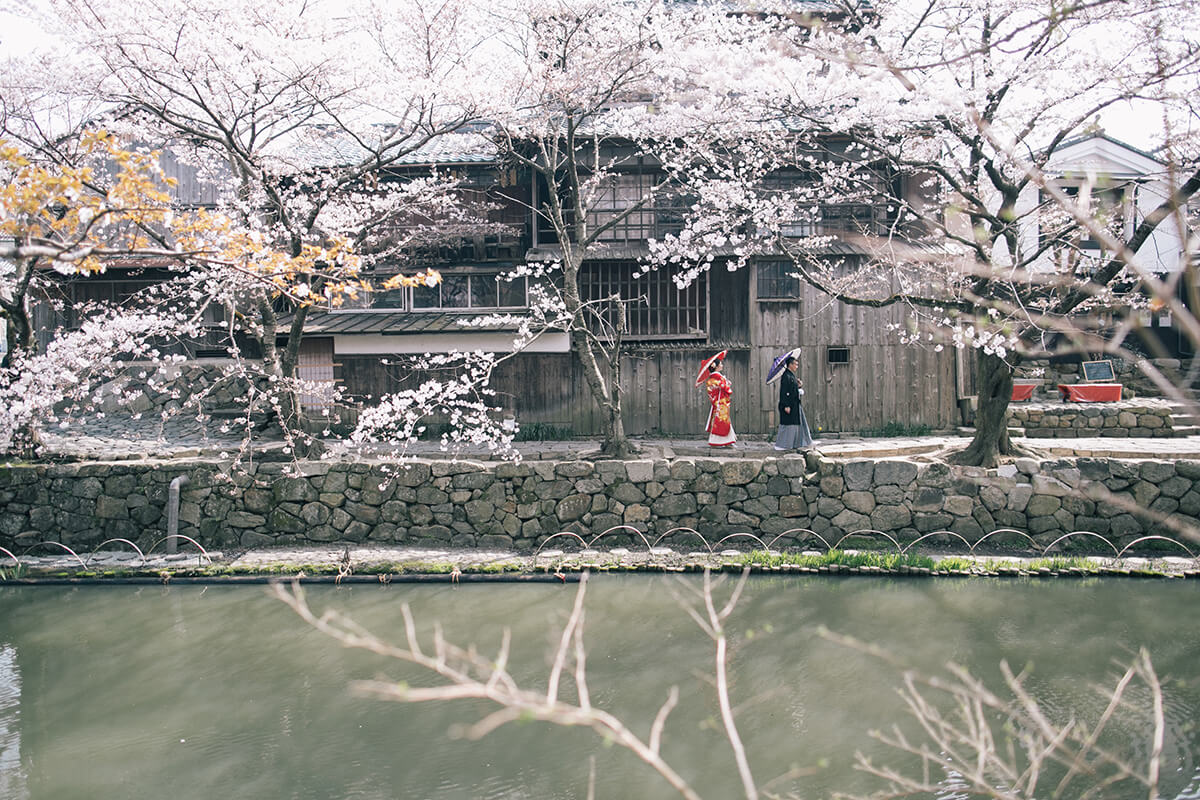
(132, 439)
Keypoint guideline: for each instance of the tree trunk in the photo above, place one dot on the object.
(994, 386)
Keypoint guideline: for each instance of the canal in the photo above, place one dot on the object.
(190, 692)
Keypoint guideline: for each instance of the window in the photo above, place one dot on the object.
(865, 209)
(616, 195)
(837, 355)
(1107, 205)
(472, 291)
(485, 290)
(663, 310)
(775, 281)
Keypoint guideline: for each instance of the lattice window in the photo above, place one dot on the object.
(663, 312)
(775, 281)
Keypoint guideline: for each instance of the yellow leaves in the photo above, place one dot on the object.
(63, 208)
(429, 277)
(61, 212)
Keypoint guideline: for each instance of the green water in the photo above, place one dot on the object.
(190, 692)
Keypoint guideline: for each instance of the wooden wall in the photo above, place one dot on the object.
(883, 383)
(884, 380)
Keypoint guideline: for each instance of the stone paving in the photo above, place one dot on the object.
(121, 438)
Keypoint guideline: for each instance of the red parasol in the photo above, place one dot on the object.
(704, 369)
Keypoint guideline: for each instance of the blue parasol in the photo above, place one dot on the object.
(777, 365)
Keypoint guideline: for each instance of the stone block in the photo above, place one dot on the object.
(832, 486)
(411, 475)
(984, 518)
(889, 495)
(958, 505)
(928, 498)
(113, 508)
(896, 472)
(1165, 505)
(992, 498)
(1157, 471)
(472, 480)
(313, 514)
(851, 521)
(1028, 466)
(481, 511)
(731, 494)
(674, 505)
(829, 507)
(859, 501)
(890, 518)
(936, 475)
(1079, 505)
(927, 523)
(1092, 524)
(1125, 525)
(280, 521)
(683, 470)
(1048, 485)
(628, 493)
(1188, 469)
(968, 528)
(778, 486)
(294, 490)
(427, 495)
(1041, 505)
(1039, 525)
(740, 472)
(1145, 493)
(1175, 487)
(736, 517)
(442, 533)
(636, 513)
(858, 475)
(793, 506)
(593, 486)
(1019, 497)
(641, 471)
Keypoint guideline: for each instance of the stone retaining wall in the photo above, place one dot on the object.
(1143, 419)
(518, 505)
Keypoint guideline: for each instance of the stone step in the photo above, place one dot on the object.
(1186, 430)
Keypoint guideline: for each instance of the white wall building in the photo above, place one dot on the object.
(1122, 184)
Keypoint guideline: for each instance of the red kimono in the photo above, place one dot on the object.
(720, 423)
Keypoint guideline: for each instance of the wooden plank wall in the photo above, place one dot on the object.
(884, 381)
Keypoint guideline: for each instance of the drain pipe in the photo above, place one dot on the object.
(173, 513)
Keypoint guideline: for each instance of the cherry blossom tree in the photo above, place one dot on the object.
(293, 112)
(963, 107)
(979, 99)
(612, 106)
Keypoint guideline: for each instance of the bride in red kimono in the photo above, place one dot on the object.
(720, 395)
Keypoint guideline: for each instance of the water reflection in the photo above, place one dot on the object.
(12, 774)
(193, 693)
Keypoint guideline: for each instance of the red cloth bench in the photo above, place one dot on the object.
(1090, 392)
(1022, 391)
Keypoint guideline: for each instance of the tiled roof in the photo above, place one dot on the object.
(387, 323)
(317, 146)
